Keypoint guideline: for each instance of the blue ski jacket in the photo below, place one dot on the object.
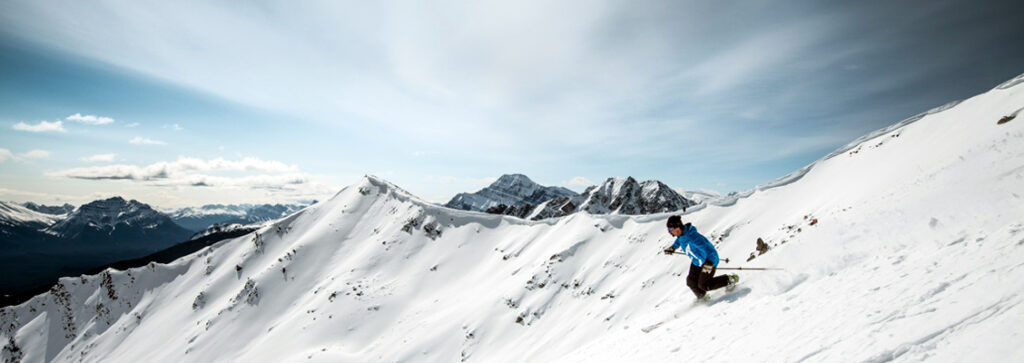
(697, 246)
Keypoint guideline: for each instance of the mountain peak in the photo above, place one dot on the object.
(508, 190)
(107, 214)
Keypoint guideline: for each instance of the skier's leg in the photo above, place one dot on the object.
(692, 280)
(707, 283)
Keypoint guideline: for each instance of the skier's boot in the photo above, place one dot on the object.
(703, 299)
(733, 280)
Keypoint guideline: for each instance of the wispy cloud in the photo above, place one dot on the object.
(100, 158)
(35, 154)
(90, 119)
(139, 140)
(6, 154)
(178, 170)
(43, 126)
(133, 124)
(578, 181)
(729, 82)
(174, 127)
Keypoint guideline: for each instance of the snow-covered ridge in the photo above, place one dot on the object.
(790, 178)
(887, 249)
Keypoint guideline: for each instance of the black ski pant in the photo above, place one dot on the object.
(701, 282)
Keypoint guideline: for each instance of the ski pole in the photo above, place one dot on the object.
(752, 268)
(726, 260)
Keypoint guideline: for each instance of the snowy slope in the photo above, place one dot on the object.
(916, 254)
(15, 215)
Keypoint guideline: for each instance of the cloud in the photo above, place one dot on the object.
(525, 81)
(106, 158)
(167, 170)
(182, 172)
(43, 126)
(578, 181)
(35, 154)
(138, 140)
(90, 119)
(268, 182)
(133, 124)
(174, 127)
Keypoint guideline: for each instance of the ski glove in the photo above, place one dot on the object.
(707, 268)
(670, 250)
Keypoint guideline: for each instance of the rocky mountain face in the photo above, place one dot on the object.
(614, 196)
(199, 219)
(508, 190)
(116, 221)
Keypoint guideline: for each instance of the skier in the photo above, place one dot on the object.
(703, 256)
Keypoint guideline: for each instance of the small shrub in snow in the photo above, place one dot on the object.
(250, 293)
(199, 302)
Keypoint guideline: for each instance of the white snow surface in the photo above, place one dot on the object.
(917, 254)
(14, 214)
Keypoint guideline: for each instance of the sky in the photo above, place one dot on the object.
(187, 103)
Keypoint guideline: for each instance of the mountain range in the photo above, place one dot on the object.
(614, 196)
(197, 219)
(904, 245)
(41, 243)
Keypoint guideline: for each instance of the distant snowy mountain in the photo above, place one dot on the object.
(21, 229)
(905, 245)
(64, 209)
(197, 219)
(37, 248)
(614, 196)
(15, 215)
(508, 190)
(117, 221)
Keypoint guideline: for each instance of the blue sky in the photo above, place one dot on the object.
(195, 102)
